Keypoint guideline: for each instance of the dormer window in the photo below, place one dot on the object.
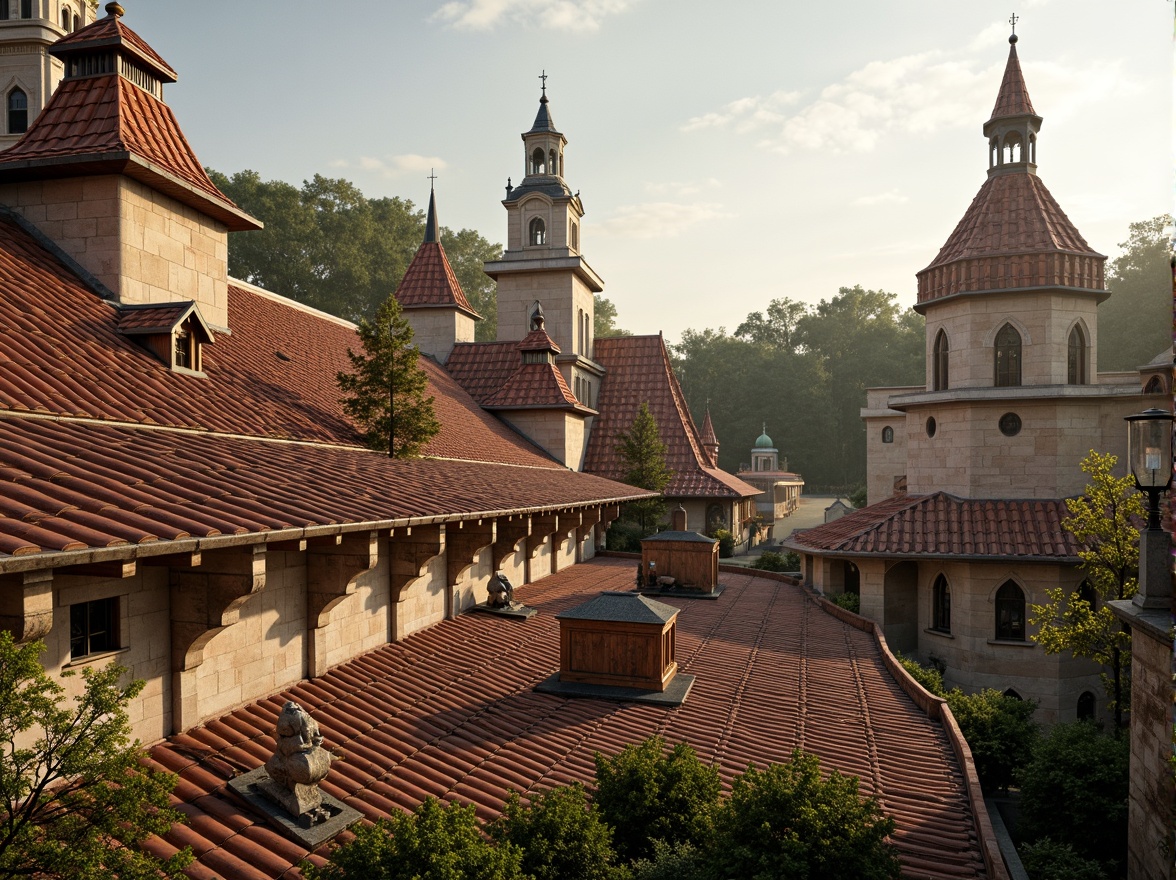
(174, 332)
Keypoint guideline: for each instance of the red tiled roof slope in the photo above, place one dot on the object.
(111, 31)
(451, 712)
(481, 368)
(533, 386)
(161, 318)
(944, 525)
(638, 370)
(1013, 97)
(431, 282)
(78, 485)
(96, 116)
(274, 376)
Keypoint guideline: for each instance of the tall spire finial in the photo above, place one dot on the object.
(543, 95)
(1013, 19)
(432, 177)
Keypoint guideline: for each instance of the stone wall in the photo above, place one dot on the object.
(436, 330)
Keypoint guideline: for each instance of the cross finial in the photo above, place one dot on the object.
(1013, 19)
(432, 177)
(543, 76)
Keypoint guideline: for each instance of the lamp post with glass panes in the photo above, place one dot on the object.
(1149, 455)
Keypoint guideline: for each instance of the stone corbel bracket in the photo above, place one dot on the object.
(332, 565)
(208, 599)
(509, 532)
(542, 527)
(26, 604)
(463, 542)
(411, 553)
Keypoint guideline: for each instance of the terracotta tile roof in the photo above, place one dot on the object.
(153, 319)
(274, 376)
(451, 712)
(944, 525)
(1013, 97)
(534, 386)
(106, 124)
(429, 282)
(538, 340)
(75, 485)
(638, 371)
(481, 368)
(110, 31)
(1014, 234)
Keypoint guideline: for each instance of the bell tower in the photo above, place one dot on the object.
(28, 73)
(543, 261)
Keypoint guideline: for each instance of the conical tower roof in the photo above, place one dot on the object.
(430, 281)
(1014, 235)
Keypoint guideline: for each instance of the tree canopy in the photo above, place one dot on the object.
(1135, 324)
(385, 391)
(75, 799)
(329, 246)
(794, 359)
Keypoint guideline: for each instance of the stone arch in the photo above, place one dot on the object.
(1012, 147)
(1078, 350)
(940, 357)
(900, 606)
(538, 163)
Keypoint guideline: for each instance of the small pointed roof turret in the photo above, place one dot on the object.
(543, 120)
(1013, 97)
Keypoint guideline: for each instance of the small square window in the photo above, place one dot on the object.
(93, 627)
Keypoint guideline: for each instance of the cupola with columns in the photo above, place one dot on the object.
(543, 260)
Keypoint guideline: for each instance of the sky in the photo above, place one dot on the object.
(727, 153)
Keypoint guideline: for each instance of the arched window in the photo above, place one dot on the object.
(580, 330)
(1154, 386)
(1007, 353)
(552, 162)
(65, 19)
(851, 578)
(1010, 612)
(1085, 705)
(18, 112)
(537, 164)
(939, 362)
(1087, 594)
(941, 605)
(1009, 692)
(1012, 147)
(888, 434)
(538, 230)
(1076, 357)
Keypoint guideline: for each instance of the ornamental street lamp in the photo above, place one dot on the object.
(1149, 454)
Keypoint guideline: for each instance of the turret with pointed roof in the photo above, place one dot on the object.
(1016, 259)
(107, 175)
(431, 296)
(709, 441)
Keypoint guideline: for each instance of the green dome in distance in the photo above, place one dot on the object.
(764, 441)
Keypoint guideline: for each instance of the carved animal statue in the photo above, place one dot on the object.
(501, 591)
(300, 758)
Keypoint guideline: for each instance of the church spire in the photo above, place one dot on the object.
(432, 227)
(1012, 128)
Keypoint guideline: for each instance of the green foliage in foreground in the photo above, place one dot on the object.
(76, 800)
(1074, 791)
(1046, 860)
(647, 795)
(770, 560)
(432, 843)
(782, 822)
(787, 822)
(848, 601)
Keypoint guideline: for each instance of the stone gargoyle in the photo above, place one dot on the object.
(298, 765)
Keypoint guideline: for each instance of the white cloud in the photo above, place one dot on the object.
(393, 166)
(562, 15)
(659, 219)
(890, 197)
(680, 189)
(914, 95)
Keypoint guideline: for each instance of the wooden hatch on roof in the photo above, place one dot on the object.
(691, 559)
(619, 639)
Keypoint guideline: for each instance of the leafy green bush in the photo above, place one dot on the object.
(680, 862)
(786, 822)
(646, 795)
(929, 677)
(1000, 732)
(562, 836)
(858, 496)
(624, 537)
(1074, 791)
(726, 542)
(770, 560)
(1047, 860)
(848, 601)
(432, 843)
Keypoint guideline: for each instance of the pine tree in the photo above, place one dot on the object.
(385, 392)
(1103, 519)
(644, 458)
